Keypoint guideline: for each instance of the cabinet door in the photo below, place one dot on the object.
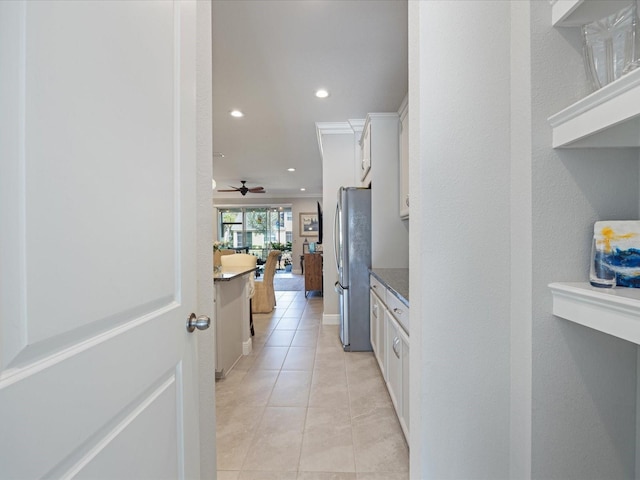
(378, 340)
(365, 161)
(373, 322)
(312, 272)
(404, 167)
(404, 419)
(394, 362)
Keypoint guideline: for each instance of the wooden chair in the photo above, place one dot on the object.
(265, 298)
(243, 260)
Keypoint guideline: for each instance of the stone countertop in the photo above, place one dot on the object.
(396, 280)
(229, 273)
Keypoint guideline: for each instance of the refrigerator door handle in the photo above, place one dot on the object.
(335, 238)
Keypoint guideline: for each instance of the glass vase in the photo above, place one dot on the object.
(610, 46)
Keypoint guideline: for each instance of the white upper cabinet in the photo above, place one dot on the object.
(365, 155)
(403, 200)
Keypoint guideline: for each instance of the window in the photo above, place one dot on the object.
(256, 228)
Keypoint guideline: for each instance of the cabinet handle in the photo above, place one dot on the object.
(397, 310)
(375, 310)
(394, 346)
(406, 201)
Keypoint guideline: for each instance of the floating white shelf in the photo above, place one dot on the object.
(615, 311)
(609, 117)
(575, 13)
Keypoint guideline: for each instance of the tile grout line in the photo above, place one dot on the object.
(304, 428)
(264, 408)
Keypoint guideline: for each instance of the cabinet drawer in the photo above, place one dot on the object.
(399, 310)
(378, 288)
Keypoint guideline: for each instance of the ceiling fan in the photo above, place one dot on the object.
(244, 189)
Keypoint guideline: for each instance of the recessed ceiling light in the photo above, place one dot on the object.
(291, 169)
(303, 189)
(236, 113)
(322, 93)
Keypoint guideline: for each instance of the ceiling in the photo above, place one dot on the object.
(269, 58)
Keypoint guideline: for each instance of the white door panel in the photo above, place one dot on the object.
(97, 240)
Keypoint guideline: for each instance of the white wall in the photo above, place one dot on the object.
(389, 233)
(459, 120)
(503, 388)
(337, 170)
(417, 454)
(204, 153)
(583, 382)
(521, 243)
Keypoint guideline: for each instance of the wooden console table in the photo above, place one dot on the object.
(312, 272)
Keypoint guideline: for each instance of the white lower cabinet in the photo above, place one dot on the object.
(404, 418)
(394, 362)
(397, 344)
(390, 345)
(377, 327)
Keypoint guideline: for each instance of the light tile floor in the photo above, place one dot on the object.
(300, 408)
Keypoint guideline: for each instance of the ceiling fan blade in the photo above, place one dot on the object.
(244, 189)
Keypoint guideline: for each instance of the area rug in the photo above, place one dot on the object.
(288, 282)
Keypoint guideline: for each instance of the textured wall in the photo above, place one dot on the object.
(583, 381)
(337, 157)
(463, 252)
(521, 242)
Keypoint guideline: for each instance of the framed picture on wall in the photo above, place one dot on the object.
(309, 226)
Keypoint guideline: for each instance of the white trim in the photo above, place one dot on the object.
(357, 124)
(334, 128)
(615, 311)
(247, 346)
(605, 108)
(331, 319)
(404, 107)
(251, 205)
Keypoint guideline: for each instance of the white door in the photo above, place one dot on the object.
(97, 240)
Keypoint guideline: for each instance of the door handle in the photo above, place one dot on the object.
(201, 323)
(394, 346)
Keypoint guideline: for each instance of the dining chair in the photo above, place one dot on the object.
(218, 254)
(265, 298)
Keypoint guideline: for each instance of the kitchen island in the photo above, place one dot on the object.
(232, 333)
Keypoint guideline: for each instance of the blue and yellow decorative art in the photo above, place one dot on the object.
(618, 250)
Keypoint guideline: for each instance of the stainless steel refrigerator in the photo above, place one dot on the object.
(352, 247)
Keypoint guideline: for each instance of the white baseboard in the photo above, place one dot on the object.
(331, 319)
(247, 347)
